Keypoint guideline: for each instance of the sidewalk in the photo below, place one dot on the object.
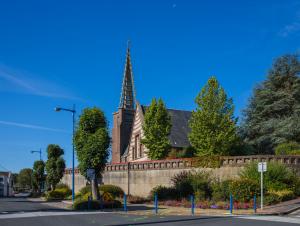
(147, 209)
(281, 208)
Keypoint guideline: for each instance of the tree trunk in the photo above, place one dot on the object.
(95, 191)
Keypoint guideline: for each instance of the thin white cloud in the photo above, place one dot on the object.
(23, 82)
(30, 126)
(292, 28)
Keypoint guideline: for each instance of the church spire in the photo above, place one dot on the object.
(127, 100)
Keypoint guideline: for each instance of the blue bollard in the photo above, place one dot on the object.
(231, 204)
(155, 203)
(193, 205)
(125, 202)
(254, 203)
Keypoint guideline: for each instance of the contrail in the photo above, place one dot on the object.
(30, 126)
(34, 87)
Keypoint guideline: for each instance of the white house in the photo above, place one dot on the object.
(6, 184)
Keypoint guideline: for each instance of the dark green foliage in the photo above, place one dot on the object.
(115, 191)
(157, 127)
(59, 194)
(201, 184)
(289, 148)
(55, 165)
(163, 193)
(62, 185)
(278, 177)
(213, 125)
(244, 189)
(38, 174)
(92, 144)
(83, 205)
(197, 183)
(187, 152)
(182, 183)
(221, 190)
(25, 179)
(96, 205)
(273, 114)
(92, 141)
(85, 190)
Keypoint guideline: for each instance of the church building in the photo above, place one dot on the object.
(127, 131)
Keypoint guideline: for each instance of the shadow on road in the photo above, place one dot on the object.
(170, 221)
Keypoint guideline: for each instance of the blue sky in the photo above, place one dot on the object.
(64, 52)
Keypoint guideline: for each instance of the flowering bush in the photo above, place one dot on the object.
(207, 204)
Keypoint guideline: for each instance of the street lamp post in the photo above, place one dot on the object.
(40, 152)
(73, 111)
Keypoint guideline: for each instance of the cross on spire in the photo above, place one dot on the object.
(127, 100)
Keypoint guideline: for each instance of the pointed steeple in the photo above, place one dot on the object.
(127, 100)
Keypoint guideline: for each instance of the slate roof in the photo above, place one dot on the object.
(180, 129)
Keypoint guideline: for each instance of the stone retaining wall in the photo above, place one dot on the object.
(138, 178)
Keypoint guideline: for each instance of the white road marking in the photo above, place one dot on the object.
(45, 214)
(273, 218)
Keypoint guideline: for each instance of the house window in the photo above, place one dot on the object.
(141, 150)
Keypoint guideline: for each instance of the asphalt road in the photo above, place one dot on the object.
(26, 213)
(14, 205)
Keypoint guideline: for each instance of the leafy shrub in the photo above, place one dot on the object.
(198, 183)
(96, 205)
(289, 148)
(221, 190)
(278, 177)
(83, 205)
(244, 189)
(58, 194)
(182, 184)
(201, 184)
(86, 189)
(211, 161)
(279, 196)
(136, 199)
(163, 193)
(115, 191)
(61, 185)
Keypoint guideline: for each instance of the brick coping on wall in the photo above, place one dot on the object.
(184, 163)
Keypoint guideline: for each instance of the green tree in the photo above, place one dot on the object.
(157, 127)
(213, 125)
(55, 165)
(92, 143)
(273, 114)
(289, 148)
(25, 179)
(38, 174)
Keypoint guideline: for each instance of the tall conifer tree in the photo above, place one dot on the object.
(273, 114)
